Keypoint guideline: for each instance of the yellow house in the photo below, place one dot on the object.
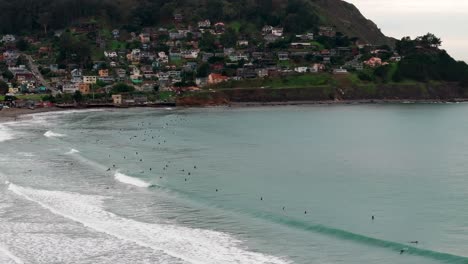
(117, 99)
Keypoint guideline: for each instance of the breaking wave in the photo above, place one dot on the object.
(72, 151)
(51, 134)
(5, 133)
(131, 180)
(191, 245)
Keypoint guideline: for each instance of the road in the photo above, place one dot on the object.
(38, 74)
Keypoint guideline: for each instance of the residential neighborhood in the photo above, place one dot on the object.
(165, 62)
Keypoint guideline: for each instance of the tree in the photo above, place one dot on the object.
(78, 97)
(208, 42)
(3, 88)
(203, 70)
(22, 44)
(229, 38)
(122, 88)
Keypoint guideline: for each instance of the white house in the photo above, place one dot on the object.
(8, 38)
(89, 79)
(70, 87)
(110, 54)
(302, 69)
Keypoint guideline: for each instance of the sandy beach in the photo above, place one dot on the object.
(12, 114)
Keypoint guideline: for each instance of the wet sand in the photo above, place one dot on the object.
(12, 114)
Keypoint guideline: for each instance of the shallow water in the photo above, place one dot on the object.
(252, 185)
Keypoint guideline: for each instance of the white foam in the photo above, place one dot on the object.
(190, 245)
(72, 151)
(5, 133)
(51, 134)
(131, 180)
(4, 251)
(168, 108)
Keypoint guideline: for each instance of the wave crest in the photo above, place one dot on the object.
(191, 245)
(51, 134)
(131, 180)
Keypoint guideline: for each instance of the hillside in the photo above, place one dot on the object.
(349, 20)
(297, 16)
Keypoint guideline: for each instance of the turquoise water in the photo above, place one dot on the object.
(237, 185)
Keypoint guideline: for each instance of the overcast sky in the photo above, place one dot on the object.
(448, 19)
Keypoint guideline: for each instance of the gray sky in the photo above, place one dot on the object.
(448, 19)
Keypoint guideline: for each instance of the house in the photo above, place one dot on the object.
(246, 73)
(395, 58)
(283, 56)
(301, 69)
(113, 64)
(220, 27)
(162, 57)
(103, 73)
(10, 55)
(261, 73)
(374, 62)
(277, 31)
(117, 99)
(8, 39)
(84, 88)
(21, 74)
(327, 31)
(200, 82)
(70, 88)
(307, 36)
(300, 45)
(204, 24)
(116, 33)
(147, 71)
(242, 43)
(134, 56)
(317, 67)
(89, 79)
(77, 75)
(340, 71)
(145, 38)
(190, 54)
(178, 18)
(140, 99)
(270, 38)
(110, 54)
(216, 78)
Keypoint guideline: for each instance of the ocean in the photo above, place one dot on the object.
(295, 184)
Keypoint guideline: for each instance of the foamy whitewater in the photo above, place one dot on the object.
(131, 180)
(51, 134)
(72, 151)
(322, 184)
(5, 133)
(191, 245)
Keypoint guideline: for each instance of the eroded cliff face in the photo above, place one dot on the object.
(414, 91)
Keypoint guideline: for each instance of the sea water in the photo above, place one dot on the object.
(302, 184)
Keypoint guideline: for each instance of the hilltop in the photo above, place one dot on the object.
(296, 16)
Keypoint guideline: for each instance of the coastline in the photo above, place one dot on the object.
(346, 102)
(12, 114)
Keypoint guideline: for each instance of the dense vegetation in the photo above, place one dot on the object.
(43, 15)
(422, 61)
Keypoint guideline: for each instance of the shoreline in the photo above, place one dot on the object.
(347, 102)
(13, 114)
